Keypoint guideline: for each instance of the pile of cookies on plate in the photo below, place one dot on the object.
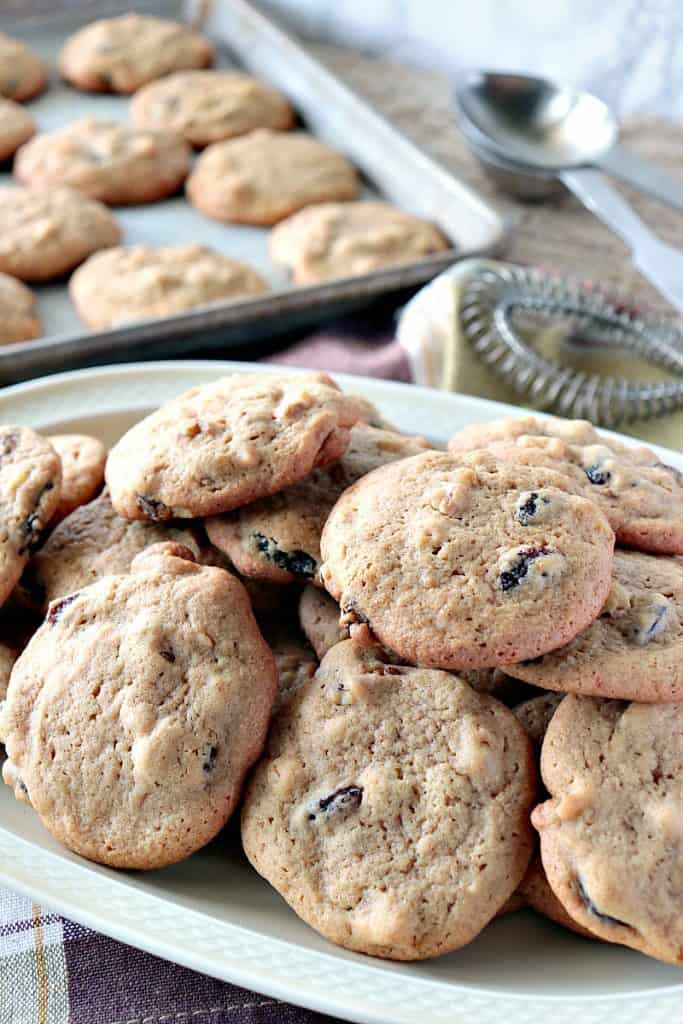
(254, 169)
(466, 616)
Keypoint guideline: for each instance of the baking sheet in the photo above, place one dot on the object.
(330, 109)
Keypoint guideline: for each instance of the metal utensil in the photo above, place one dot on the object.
(550, 127)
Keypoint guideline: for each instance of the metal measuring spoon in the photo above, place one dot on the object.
(549, 127)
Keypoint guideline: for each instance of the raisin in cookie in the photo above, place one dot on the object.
(93, 541)
(391, 807)
(264, 176)
(121, 54)
(228, 443)
(83, 459)
(19, 320)
(611, 831)
(343, 239)
(466, 562)
(634, 649)
(106, 161)
(46, 232)
(641, 496)
(278, 538)
(16, 127)
(210, 106)
(22, 73)
(30, 485)
(136, 710)
(139, 282)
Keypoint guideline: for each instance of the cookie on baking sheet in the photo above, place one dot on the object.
(106, 161)
(319, 617)
(391, 807)
(19, 319)
(140, 282)
(22, 73)
(136, 710)
(634, 649)
(93, 541)
(264, 176)
(641, 496)
(30, 485)
(278, 538)
(466, 562)
(343, 239)
(121, 54)
(46, 232)
(210, 106)
(227, 443)
(611, 830)
(83, 459)
(16, 127)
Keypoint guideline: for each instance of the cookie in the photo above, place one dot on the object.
(295, 659)
(93, 541)
(344, 239)
(634, 649)
(391, 807)
(19, 319)
(466, 562)
(611, 830)
(16, 127)
(641, 496)
(210, 106)
(121, 54)
(83, 458)
(46, 232)
(228, 443)
(30, 484)
(106, 161)
(136, 710)
(319, 618)
(139, 282)
(22, 73)
(278, 537)
(17, 626)
(265, 176)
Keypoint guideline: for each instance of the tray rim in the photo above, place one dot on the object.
(100, 898)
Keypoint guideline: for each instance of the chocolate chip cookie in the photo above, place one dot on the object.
(121, 54)
(106, 161)
(93, 541)
(135, 712)
(641, 496)
(30, 484)
(83, 458)
(344, 239)
(210, 106)
(16, 127)
(278, 537)
(22, 73)
(466, 562)
(611, 831)
(634, 649)
(391, 807)
(19, 320)
(262, 177)
(139, 282)
(227, 443)
(46, 232)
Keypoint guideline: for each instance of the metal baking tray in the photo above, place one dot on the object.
(392, 167)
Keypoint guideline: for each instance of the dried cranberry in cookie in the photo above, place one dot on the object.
(612, 829)
(391, 807)
(136, 710)
(225, 444)
(430, 555)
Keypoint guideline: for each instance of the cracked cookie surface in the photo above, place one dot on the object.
(406, 846)
(431, 555)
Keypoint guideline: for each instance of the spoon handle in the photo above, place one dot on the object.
(660, 263)
(641, 174)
